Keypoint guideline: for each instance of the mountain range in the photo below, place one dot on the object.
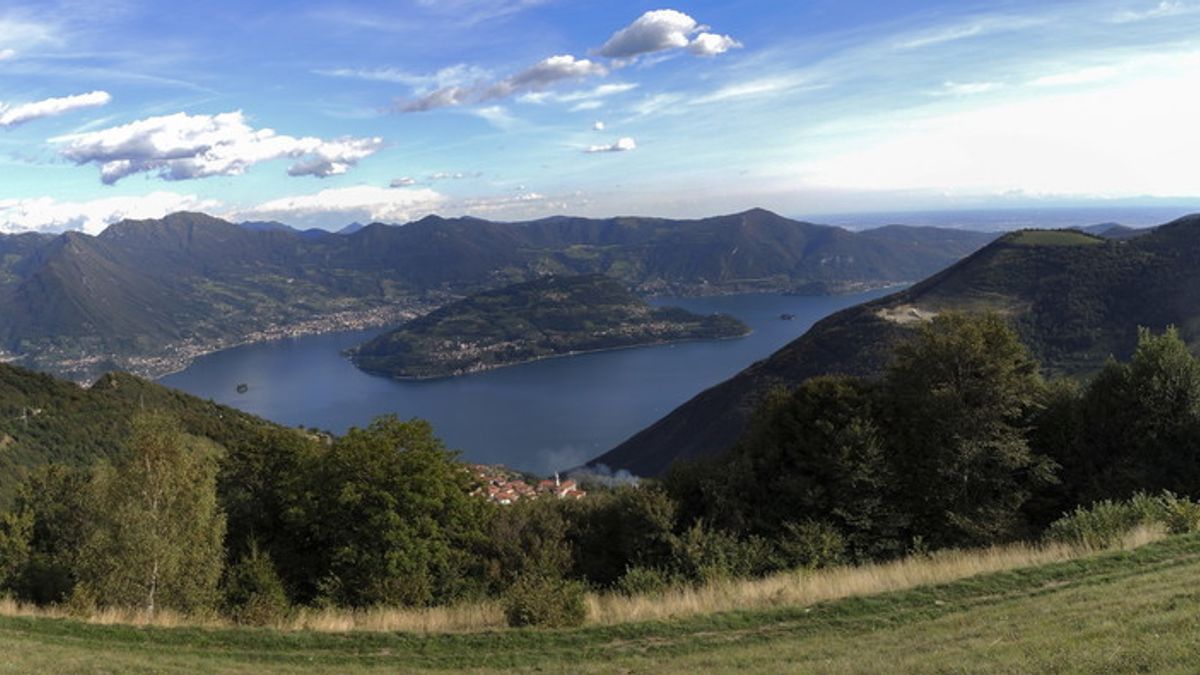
(1075, 298)
(149, 295)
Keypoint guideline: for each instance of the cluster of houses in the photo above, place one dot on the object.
(505, 487)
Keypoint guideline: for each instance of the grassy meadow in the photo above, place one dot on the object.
(1008, 609)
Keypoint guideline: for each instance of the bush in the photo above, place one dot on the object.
(810, 545)
(15, 534)
(1104, 523)
(644, 581)
(703, 554)
(545, 601)
(82, 601)
(253, 590)
(1099, 526)
(1178, 514)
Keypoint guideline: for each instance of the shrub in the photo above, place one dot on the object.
(82, 601)
(15, 535)
(810, 545)
(545, 601)
(253, 590)
(1105, 522)
(704, 554)
(644, 581)
(1178, 514)
(1099, 526)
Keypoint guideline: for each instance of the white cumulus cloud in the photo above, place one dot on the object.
(362, 203)
(661, 30)
(183, 146)
(620, 145)
(45, 214)
(11, 116)
(6, 54)
(711, 44)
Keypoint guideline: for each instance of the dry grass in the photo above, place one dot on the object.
(788, 589)
(803, 588)
(424, 621)
(110, 616)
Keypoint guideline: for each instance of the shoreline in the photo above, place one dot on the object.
(154, 368)
(547, 357)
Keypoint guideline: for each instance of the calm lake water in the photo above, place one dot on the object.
(541, 416)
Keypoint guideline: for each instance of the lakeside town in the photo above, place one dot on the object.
(504, 486)
(177, 356)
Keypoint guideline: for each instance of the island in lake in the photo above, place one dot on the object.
(551, 316)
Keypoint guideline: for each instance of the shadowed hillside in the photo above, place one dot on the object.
(1075, 299)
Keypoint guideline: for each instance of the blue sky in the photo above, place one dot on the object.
(323, 113)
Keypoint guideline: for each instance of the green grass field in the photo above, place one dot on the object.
(1136, 611)
(1053, 238)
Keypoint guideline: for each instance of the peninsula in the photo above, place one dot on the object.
(551, 316)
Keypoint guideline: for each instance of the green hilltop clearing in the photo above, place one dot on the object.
(1118, 612)
(1053, 238)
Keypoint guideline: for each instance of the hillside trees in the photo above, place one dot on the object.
(156, 531)
(53, 503)
(268, 485)
(394, 520)
(936, 451)
(1139, 425)
(958, 400)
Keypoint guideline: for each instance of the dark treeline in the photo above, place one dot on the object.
(961, 443)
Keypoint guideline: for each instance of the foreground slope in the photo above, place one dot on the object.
(1075, 299)
(1132, 611)
(149, 295)
(547, 317)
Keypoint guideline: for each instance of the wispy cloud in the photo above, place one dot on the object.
(942, 35)
(601, 91)
(534, 79)
(20, 32)
(969, 88)
(1163, 9)
(759, 87)
(457, 74)
(472, 12)
(1083, 76)
(495, 115)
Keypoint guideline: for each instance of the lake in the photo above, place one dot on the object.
(541, 417)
